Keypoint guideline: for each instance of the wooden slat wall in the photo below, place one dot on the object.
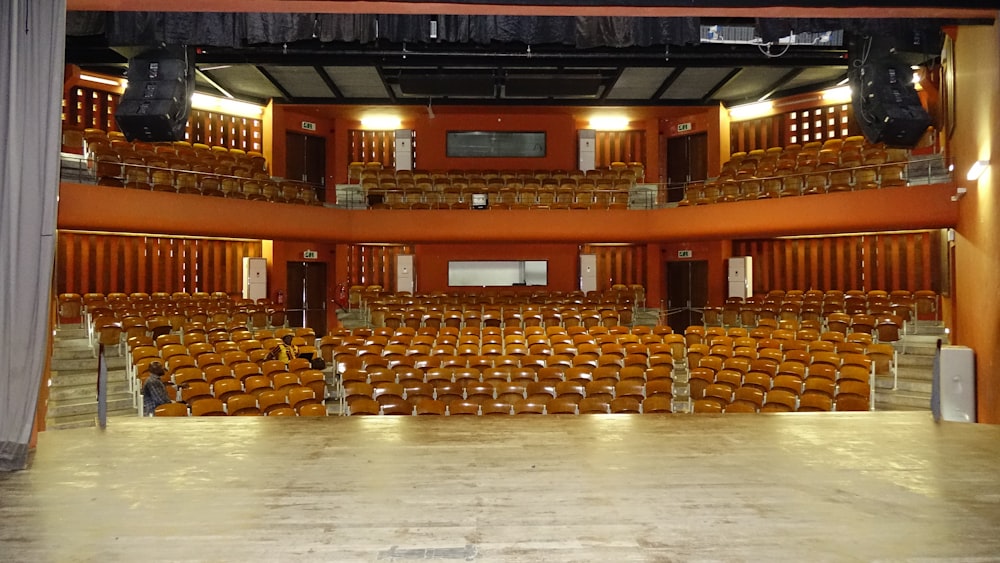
(372, 146)
(759, 133)
(819, 124)
(85, 108)
(618, 264)
(104, 263)
(230, 131)
(619, 146)
(800, 126)
(89, 108)
(374, 265)
(908, 261)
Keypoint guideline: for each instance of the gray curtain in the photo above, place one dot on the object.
(31, 73)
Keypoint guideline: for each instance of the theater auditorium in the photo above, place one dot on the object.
(563, 281)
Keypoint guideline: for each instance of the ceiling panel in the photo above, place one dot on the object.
(695, 83)
(750, 82)
(818, 75)
(639, 83)
(358, 81)
(300, 81)
(244, 80)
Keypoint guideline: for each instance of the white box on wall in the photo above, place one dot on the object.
(404, 273)
(588, 272)
(254, 278)
(954, 389)
(404, 149)
(587, 149)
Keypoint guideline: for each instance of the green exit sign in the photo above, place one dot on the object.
(682, 127)
(310, 255)
(685, 253)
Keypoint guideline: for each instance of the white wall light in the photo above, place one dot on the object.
(205, 102)
(750, 111)
(100, 80)
(838, 95)
(976, 170)
(381, 123)
(609, 123)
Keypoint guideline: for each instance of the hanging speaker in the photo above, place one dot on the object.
(157, 101)
(886, 105)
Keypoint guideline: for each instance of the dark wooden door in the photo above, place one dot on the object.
(306, 302)
(687, 293)
(687, 161)
(305, 160)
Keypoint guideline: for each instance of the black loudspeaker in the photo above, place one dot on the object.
(886, 105)
(157, 101)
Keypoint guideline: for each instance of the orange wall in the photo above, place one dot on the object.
(560, 124)
(976, 299)
(85, 207)
(431, 263)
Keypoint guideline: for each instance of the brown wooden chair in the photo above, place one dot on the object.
(171, 409)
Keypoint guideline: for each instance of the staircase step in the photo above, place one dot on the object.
(86, 392)
(85, 364)
(70, 332)
(73, 353)
(84, 420)
(84, 378)
(60, 409)
(890, 400)
(906, 385)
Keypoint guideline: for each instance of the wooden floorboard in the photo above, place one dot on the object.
(784, 487)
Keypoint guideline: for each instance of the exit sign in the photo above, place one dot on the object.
(682, 127)
(685, 253)
(310, 255)
(308, 125)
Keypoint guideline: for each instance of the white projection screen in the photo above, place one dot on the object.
(484, 273)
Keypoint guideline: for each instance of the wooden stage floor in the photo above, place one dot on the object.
(886, 486)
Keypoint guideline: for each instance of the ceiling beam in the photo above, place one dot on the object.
(667, 82)
(779, 83)
(328, 81)
(975, 9)
(267, 75)
(719, 85)
(385, 84)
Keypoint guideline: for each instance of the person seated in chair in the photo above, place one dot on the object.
(284, 350)
(154, 392)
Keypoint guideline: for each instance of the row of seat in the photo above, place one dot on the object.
(373, 173)
(240, 405)
(374, 295)
(559, 405)
(904, 306)
(835, 165)
(207, 183)
(514, 196)
(183, 153)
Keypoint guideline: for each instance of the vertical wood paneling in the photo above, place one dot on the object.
(889, 261)
(89, 262)
(619, 146)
